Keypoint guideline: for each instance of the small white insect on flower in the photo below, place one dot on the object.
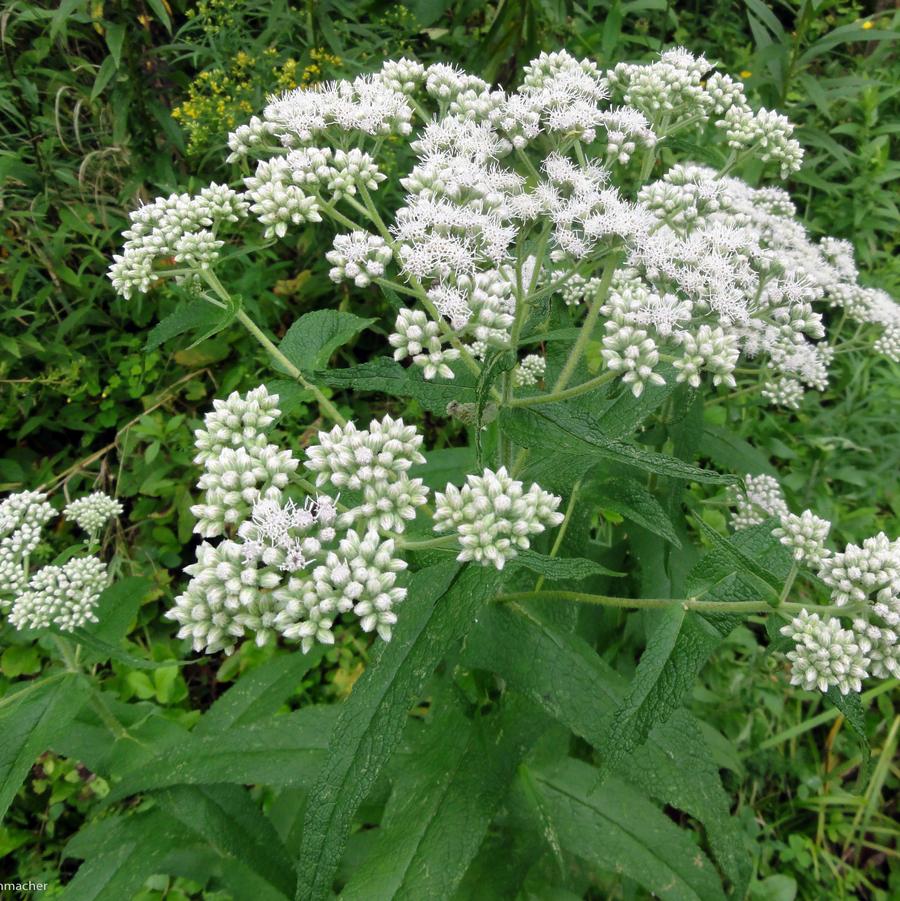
(494, 517)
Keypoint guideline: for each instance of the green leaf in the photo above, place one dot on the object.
(769, 583)
(559, 568)
(104, 76)
(121, 852)
(233, 825)
(386, 376)
(851, 709)
(733, 453)
(314, 337)
(103, 650)
(629, 498)
(576, 687)
(241, 847)
(719, 577)
(30, 719)
(562, 432)
(677, 648)
(161, 13)
(115, 37)
(198, 316)
(844, 34)
(259, 693)
(118, 607)
(441, 807)
(442, 605)
(617, 829)
(281, 750)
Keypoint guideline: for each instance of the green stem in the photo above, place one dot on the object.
(788, 584)
(327, 406)
(330, 409)
(561, 534)
(701, 606)
(70, 660)
(590, 322)
(574, 391)
(444, 541)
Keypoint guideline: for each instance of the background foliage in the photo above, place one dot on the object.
(106, 104)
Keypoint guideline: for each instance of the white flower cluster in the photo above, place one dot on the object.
(760, 498)
(92, 512)
(22, 517)
(711, 268)
(64, 596)
(375, 462)
(358, 256)
(182, 226)
(493, 516)
(825, 654)
(288, 567)
(864, 578)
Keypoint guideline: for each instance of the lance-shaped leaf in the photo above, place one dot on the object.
(281, 750)
(440, 609)
(614, 827)
(30, 720)
(442, 805)
(565, 676)
(555, 430)
(259, 693)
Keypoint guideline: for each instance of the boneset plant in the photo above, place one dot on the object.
(574, 266)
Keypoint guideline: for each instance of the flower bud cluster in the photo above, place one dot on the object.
(241, 468)
(867, 573)
(805, 535)
(493, 516)
(374, 461)
(181, 226)
(64, 596)
(337, 173)
(765, 133)
(529, 371)
(760, 498)
(417, 337)
(288, 567)
(92, 512)
(22, 517)
(359, 257)
(825, 654)
(276, 201)
(863, 578)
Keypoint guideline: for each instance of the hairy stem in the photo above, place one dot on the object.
(590, 322)
(327, 406)
(701, 606)
(574, 391)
